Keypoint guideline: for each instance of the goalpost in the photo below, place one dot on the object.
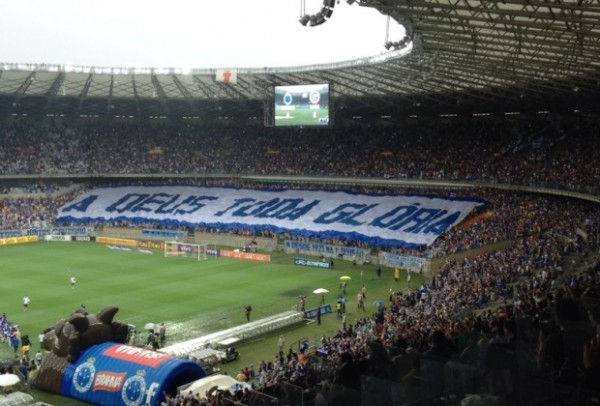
(182, 249)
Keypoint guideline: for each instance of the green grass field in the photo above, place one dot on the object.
(191, 297)
(301, 117)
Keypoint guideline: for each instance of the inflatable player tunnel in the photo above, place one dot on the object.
(119, 374)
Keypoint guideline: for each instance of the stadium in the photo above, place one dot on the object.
(445, 190)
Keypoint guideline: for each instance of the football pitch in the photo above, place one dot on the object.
(302, 117)
(191, 297)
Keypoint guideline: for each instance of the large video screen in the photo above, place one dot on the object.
(302, 105)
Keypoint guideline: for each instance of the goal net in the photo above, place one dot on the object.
(182, 249)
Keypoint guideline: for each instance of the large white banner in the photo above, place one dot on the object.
(401, 220)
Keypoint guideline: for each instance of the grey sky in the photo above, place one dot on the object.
(186, 33)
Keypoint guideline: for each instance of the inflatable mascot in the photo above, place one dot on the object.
(88, 359)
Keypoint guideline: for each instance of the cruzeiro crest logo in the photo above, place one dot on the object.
(84, 375)
(134, 389)
(287, 98)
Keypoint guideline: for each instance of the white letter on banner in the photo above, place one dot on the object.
(339, 214)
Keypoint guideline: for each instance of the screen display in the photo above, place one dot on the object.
(302, 105)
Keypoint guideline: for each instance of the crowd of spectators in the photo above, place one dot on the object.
(23, 212)
(515, 310)
(31, 188)
(524, 281)
(549, 151)
(513, 313)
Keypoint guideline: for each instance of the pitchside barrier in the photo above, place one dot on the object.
(225, 338)
(211, 240)
(312, 313)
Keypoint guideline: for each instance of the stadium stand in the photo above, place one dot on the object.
(500, 102)
(512, 325)
(456, 334)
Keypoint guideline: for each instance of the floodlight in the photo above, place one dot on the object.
(304, 19)
(316, 19)
(319, 18)
(326, 12)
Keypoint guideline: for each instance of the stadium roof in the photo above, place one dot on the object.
(468, 57)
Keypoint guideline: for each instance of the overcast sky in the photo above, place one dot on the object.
(186, 33)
